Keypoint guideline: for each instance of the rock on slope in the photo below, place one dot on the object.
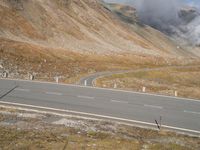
(78, 25)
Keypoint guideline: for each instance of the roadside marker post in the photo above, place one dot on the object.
(57, 80)
(32, 77)
(176, 93)
(115, 86)
(144, 89)
(85, 82)
(160, 121)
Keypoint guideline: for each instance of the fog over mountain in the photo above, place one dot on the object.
(176, 18)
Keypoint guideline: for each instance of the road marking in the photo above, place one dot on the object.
(191, 112)
(115, 90)
(153, 106)
(24, 90)
(116, 101)
(85, 97)
(54, 93)
(101, 116)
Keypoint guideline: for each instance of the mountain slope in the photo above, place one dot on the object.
(78, 25)
(69, 38)
(161, 41)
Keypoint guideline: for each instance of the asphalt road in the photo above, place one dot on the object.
(89, 80)
(175, 112)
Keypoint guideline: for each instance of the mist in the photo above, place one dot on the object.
(159, 13)
(165, 15)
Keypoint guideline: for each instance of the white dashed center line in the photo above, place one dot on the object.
(54, 93)
(24, 90)
(85, 97)
(116, 101)
(153, 106)
(191, 112)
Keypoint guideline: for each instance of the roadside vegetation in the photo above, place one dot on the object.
(21, 130)
(184, 80)
(21, 59)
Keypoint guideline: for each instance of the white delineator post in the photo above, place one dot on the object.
(115, 86)
(31, 77)
(57, 79)
(85, 82)
(144, 89)
(176, 93)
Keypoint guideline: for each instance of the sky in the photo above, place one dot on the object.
(195, 3)
(192, 2)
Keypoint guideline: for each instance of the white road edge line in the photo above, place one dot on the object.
(54, 93)
(24, 90)
(153, 106)
(102, 116)
(85, 97)
(172, 97)
(191, 112)
(116, 101)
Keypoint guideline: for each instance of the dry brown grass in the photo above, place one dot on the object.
(185, 80)
(38, 133)
(50, 38)
(47, 63)
(84, 26)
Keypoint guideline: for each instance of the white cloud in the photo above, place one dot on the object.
(163, 15)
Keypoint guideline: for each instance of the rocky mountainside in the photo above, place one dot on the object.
(55, 37)
(79, 25)
(159, 39)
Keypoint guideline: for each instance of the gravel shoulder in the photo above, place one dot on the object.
(29, 129)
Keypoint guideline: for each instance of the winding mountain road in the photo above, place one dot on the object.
(90, 79)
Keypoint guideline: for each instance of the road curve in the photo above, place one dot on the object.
(90, 79)
(177, 113)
